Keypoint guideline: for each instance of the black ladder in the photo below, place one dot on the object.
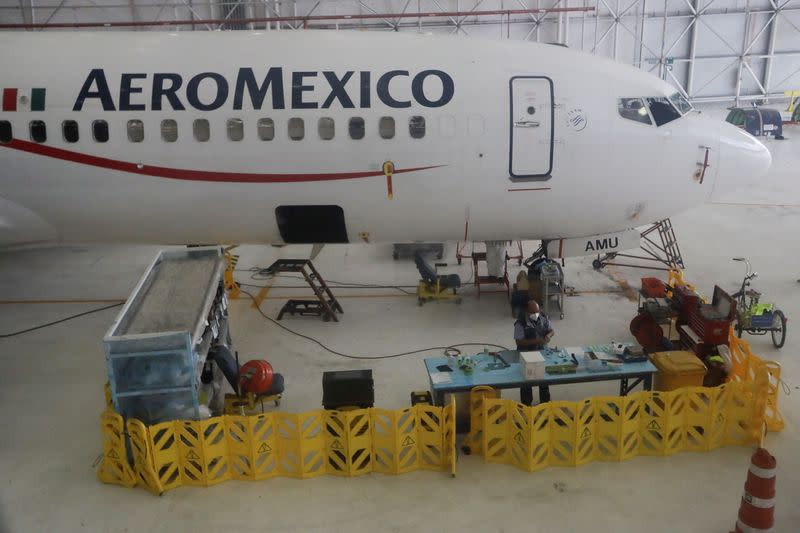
(663, 255)
(325, 305)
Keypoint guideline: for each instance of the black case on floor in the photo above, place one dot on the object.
(346, 388)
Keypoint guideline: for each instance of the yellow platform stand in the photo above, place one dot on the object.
(433, 291)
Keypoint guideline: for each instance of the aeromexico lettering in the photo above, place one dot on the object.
(208, 91)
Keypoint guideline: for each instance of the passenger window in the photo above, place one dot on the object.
(6, 133)
(447, 126)
(386, 127)
(169, 130)
(356, 128)
(633, 109)
(326, 128)
(100, 131)
(416, 127)
(266, 129)
(69, 129)
(202, 132)
(476, 126)
(662, 110)
(235, 129)
(297, 129)
(38, 131)
(135, 131)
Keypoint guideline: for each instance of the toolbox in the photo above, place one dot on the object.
(677, 369)
(347, 388)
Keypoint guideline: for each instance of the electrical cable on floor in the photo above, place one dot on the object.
(47, 325)
(449, 350)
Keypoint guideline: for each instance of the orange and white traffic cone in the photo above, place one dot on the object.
(757, 510)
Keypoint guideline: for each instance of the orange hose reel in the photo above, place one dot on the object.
(256, 376)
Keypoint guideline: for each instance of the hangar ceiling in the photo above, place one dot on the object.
(711, 50)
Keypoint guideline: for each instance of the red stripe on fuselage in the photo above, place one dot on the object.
(191, 175)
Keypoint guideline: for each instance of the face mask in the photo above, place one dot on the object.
(534, 316)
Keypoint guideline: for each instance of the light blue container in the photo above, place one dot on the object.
(156, 348)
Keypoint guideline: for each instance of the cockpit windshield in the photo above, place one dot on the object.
(662, 110)
(650, 109)
(633, 109)
(680, 103)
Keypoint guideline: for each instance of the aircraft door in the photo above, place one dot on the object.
(531, 153)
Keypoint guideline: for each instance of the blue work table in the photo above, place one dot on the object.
(628, 374)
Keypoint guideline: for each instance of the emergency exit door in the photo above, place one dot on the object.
(531, 154)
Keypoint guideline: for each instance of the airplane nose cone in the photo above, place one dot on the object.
(743, 159)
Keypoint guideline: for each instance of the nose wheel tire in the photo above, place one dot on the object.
(779, 333)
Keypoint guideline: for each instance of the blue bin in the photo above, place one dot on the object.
(762, 321)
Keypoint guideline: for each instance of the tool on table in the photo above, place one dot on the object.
(497, 365)
(633, 354)
(466, 364)
(566, 368)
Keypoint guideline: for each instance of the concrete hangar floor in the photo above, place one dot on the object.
(51, 391)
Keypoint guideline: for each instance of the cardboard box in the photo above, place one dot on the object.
(533, 364)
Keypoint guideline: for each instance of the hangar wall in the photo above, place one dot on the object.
(712, 50)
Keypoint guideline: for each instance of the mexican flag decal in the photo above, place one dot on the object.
(23, 99)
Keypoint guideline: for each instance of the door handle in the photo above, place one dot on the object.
(526, 124)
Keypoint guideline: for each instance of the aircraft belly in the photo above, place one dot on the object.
(19, 225)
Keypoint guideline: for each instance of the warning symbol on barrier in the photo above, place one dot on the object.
(518, 437)
(193, 456)
(720, 418)
(408, 441)
(264, 448)
(586, 433)
(336, 445)
(653, 426)
(113, 455)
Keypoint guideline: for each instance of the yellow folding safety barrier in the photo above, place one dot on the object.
(343, 443)
(114, 468)
(747, 367)
(618, 428)
(473, 443)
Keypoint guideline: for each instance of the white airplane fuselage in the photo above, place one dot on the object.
(520, 140)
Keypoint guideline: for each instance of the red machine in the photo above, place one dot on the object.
(703, 326)
(256, 376)
(653, 288)
(685, 301)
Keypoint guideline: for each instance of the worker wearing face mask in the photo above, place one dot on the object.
(532, 331)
